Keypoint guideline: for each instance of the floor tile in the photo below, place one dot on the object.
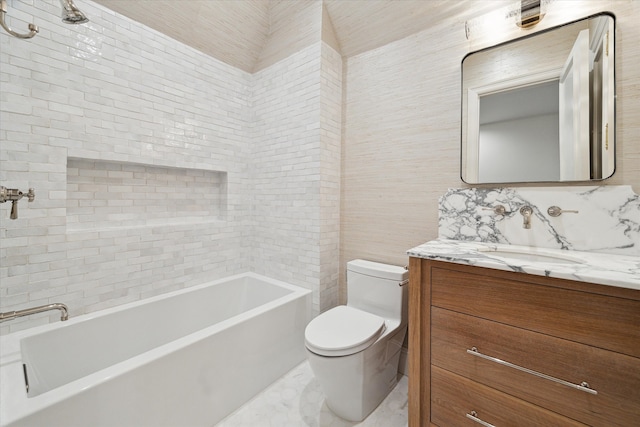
(296, 400)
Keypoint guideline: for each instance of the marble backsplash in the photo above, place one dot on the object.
(608, 217)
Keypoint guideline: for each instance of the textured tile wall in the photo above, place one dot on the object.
(114, 95)
(285, 170)
(295, 171)
(107, 195)
(330, 164)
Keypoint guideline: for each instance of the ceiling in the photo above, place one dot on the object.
(236, 31)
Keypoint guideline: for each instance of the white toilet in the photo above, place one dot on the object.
(354, 349)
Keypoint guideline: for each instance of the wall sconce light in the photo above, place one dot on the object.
(524, 13)
(530, 13)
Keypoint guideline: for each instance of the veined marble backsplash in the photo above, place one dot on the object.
(608, 218)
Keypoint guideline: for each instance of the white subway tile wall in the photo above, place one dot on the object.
(330, 164)
(107, 195)
(117, 96)
(296, 171)
(285, 170)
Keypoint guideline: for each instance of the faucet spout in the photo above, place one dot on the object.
(526, 212)
(9, 315)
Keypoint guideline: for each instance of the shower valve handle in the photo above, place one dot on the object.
(31, 195)
(13, 195)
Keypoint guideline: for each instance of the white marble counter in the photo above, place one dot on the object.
(606, 269)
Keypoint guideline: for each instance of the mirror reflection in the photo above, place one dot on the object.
(541, 108)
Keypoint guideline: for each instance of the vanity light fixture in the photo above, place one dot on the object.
(70, 15)
(530, 13)
(525, 14)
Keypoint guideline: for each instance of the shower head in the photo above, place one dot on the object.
(71, 14)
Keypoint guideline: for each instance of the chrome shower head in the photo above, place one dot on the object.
(71, 14)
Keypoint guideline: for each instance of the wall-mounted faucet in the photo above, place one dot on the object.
(13, 195)
(526, 212)
(64, 311)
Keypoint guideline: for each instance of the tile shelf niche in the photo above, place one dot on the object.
(103, 195)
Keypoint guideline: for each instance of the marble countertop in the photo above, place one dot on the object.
(605, 269)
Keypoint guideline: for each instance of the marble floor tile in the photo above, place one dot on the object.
(296, 400)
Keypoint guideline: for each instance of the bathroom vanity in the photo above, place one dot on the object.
(501, 348)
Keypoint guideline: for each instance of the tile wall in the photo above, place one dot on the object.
(114, 95)
(296, 180)
(105, 195)
(330, 174)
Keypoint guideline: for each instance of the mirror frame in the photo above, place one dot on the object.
(546, 75)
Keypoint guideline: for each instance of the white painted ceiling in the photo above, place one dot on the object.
(235, 31)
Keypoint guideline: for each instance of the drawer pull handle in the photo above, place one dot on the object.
(583, 386)
(473, 415)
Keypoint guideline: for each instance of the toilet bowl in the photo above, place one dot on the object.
(354, 349)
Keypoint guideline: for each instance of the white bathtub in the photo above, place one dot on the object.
(188, 358)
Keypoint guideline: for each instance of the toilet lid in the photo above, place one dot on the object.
(342, 331)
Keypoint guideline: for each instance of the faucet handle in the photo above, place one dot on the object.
(555, 211)
(14, 210)
(497, 209)
(526, 210)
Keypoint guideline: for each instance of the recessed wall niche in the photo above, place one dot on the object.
(103, 195)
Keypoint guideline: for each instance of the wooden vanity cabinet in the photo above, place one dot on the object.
(514, 349)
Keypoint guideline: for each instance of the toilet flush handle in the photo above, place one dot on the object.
(404, 282)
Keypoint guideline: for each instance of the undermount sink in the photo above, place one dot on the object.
(534, 255)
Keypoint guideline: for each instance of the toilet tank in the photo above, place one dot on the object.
(375, 288)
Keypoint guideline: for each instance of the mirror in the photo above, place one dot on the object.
(541, 108)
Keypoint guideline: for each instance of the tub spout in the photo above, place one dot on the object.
(10, 315)
(526, 212)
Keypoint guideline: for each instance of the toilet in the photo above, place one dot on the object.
(354, 349)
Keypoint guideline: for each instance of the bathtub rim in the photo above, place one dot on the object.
(15, 406)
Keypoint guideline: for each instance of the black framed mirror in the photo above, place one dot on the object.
(541, 108)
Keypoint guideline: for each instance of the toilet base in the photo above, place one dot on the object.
(356, 384)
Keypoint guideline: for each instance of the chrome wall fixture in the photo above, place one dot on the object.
(13, 195)
(70, 15)
(526, 212)
(523, 13)
(531, 13)
(10, 315)
(556, 211)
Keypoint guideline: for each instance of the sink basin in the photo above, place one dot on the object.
(534, 255)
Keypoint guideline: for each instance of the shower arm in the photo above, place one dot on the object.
(33, 29)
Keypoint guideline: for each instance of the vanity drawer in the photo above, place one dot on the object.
(603, 321)
(453, 397)
(614, 376)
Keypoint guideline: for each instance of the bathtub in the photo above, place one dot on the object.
(187, 358)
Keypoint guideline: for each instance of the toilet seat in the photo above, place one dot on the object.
(342, 331)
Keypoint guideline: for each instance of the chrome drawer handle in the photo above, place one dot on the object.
(473, 415)
(583, 386)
